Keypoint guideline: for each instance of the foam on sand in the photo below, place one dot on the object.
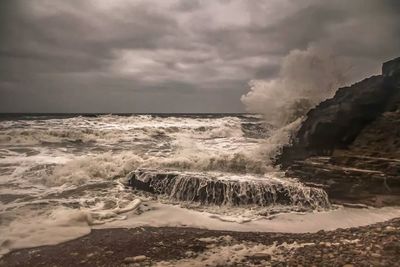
(165, 215)
(59, 226)
(64, 224)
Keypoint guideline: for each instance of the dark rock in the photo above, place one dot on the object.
(350, 144)
(337, 122)
(391, 68)
(260, 256)
(393, 247)
(215, 190)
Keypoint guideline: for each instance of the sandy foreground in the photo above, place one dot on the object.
(374, 245)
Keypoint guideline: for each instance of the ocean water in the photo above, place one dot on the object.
(61, 176)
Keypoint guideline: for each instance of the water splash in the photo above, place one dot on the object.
(235, 190)
(306, 78)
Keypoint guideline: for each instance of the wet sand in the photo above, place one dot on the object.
(374, 245)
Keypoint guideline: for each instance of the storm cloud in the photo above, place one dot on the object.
(175, 55)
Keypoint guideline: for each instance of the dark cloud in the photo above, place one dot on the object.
(173, 55)
(266, 72)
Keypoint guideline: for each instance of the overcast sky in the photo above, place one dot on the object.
(174, 55)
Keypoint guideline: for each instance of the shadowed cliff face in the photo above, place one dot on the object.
(337, 122)
(350, 144)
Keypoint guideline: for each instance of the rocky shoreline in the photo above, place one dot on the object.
(350, 144)
(374, 245)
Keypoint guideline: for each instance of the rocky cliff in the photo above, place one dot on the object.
(350, 144)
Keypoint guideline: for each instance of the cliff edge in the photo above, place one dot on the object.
(350, 144)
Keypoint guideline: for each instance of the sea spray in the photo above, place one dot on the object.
(306, 78)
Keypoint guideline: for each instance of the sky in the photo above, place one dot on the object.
(140, 56)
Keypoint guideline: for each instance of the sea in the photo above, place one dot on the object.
(62, 175)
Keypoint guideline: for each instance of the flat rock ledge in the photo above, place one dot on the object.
(353, 178)
(209, 189)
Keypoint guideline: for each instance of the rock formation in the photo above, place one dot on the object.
(350, 144)
(213, 189)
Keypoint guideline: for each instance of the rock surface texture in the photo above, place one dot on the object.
(350, 144)
(214, 190)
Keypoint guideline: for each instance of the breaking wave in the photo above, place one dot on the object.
(306, 78)
(109, 129)
(70, 173)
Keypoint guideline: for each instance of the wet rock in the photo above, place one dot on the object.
(348, 265)
(260, 256)
(350, 144)
(392, 247)
(390, 229)
(391, 68)
(337, 122)
(215, 190)
(376, 255)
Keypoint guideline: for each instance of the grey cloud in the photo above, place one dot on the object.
(76, 40)
(266, 71)
(145, 56)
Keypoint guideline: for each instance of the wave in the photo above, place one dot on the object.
(68, 172)
(55, 168)
(110, 166)
(115, 129)
(83, 169)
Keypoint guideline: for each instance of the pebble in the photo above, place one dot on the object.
(389, 229)
(376, 255)
(135, 259)
(190, 253)
(393, 246)
(260, 256)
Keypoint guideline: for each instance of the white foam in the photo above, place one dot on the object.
(64, 224)
(114, 129)
(306, 78)
(162, 215)
(59, 226)
(84, 168)
(59, 177)
(53, 226)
